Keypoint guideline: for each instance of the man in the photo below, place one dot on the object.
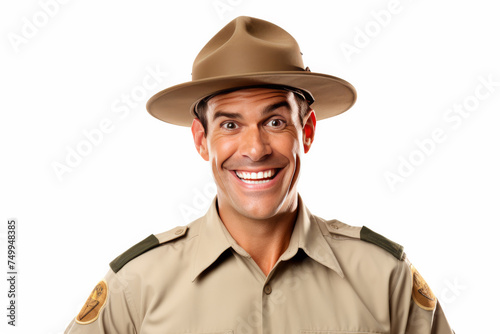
(259, 261)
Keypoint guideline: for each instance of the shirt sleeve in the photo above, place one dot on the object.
(414, 308)
(114, 313)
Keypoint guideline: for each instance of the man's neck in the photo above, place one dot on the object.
(264, 240)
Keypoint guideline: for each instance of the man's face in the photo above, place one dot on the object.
(254, 143)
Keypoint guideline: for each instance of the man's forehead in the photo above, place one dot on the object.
(245, 95)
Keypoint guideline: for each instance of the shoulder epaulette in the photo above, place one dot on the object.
(392, 247)
(145, 245)
(365, 234)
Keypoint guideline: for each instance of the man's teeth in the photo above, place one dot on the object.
(254, 178)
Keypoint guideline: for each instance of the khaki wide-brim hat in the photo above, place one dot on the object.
(250, 52)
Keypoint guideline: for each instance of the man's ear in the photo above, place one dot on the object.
(309, 130)
(200, 140)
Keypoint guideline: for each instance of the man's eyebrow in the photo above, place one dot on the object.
(227, 115)
(267, 110)
(275, 106)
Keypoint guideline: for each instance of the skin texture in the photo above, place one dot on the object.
(252, 130)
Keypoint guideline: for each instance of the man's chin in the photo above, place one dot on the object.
(259, 209)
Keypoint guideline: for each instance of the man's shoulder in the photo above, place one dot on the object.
(364, 237)
(155, 244)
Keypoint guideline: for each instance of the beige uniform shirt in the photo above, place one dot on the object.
(197, 279)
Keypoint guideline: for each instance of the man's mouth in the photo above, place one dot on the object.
(263, 176)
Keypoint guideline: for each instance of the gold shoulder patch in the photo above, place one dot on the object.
(97, 299)
(421, 293)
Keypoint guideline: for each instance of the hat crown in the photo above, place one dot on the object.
(248, 45)
(250, 52)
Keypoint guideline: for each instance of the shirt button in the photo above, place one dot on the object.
(179, 231)
(332, 225)
(268, 289)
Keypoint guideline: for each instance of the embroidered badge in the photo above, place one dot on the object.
(90, 311)
(422, 294)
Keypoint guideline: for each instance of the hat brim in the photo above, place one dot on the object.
(175, 104)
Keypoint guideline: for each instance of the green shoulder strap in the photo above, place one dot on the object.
(145, 245)
(372, 237)
(364, 233)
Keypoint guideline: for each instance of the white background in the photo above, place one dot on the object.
(73, 70)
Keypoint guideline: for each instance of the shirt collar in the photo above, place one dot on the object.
(214, 239)
(309, 235)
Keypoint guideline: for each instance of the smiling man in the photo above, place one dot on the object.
(254, 141)
(259, 261)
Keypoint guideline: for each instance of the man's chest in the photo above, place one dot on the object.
(300, 296)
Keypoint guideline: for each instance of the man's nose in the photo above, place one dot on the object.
(255, 144)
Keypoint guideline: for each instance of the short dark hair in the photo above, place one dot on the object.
(202, 106)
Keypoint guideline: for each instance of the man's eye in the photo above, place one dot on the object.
(229, 125)
(276, 123)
